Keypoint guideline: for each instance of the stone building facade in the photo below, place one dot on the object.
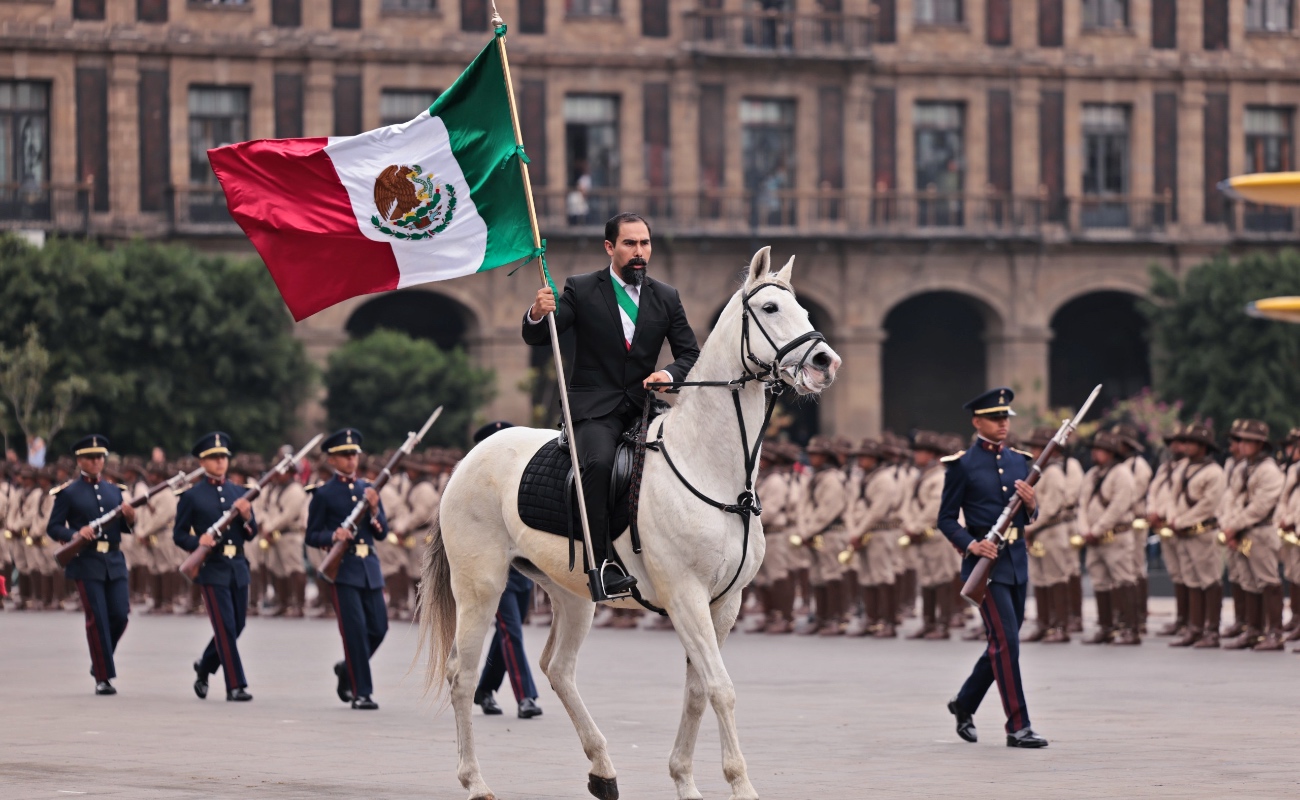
(975, 189)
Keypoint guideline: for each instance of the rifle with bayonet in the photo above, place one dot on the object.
(977, 584)
(329, 568)
(191, 566)
(72, 549)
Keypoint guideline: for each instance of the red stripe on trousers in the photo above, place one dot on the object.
(512, 659)
(287, 196)
(1010, 692)
(347, 657)
(92, 635)
(219, 636)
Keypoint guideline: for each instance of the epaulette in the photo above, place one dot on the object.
(180, 491)
(61, 487)
(1024, 453)
(122, 487)
(953, 457)
(311, 487)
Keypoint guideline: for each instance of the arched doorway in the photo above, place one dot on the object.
(418, 313)
(934, 359)
(799, 418)
(1100, 337)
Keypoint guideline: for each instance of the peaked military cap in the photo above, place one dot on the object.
(216, 443)
(489, 429)
(1249, 430)
(93, 445)
(993, 403)
(343, 441)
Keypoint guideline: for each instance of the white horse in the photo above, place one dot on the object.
(691, 562)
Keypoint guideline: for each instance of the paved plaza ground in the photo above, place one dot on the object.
(819, 718)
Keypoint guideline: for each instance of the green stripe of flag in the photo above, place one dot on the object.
(625, 301)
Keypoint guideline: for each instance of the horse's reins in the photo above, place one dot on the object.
(747, 503)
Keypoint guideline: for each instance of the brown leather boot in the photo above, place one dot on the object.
(833, 620)
(1272, 613)
(943, 612)
(1105, 633)
(1130, 610)
(813, 623)
(1250, 632)
(1213, 616)
(1040, 616)
(1141, 599)
(928, 602)
(1195, 626)
(1075, 589)
(888, 612)
(1058, 604)
(1177, 627)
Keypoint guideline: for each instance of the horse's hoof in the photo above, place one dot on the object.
(603, 788)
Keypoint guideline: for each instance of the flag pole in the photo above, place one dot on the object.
(594, 581)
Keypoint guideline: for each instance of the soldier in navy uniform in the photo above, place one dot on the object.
(99, 570)
(980, 482)
(358, 589)
(224, 576)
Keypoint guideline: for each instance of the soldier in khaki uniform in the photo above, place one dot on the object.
(897, 451)
(1286, 517)
(1050, 552)
(773, 578)
(1073, 490)
(1106, 524)
(6, 535)
(1254, 488)
(40, 556)
(315, 555)
(421, 504)
(1160, 510)
(821, 529)
(799, 555)
(937, 562)
(284, 525)
(153, 531)
(392, 555)
(1134, 462)
(1199, 486)
(872, 540)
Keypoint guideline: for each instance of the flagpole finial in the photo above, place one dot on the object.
(497, 21)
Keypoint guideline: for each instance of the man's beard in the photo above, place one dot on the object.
(633, 272)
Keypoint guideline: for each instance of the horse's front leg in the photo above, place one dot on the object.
(569, 628)
(681, 764)
(701, 632)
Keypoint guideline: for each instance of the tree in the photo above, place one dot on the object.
(388, 383)
(39, 407)
(171, 343)
(1219, 362)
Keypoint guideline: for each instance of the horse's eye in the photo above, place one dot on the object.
(769, 308)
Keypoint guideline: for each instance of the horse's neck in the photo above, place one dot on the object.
(702, 430)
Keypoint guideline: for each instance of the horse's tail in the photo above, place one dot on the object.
(437, 610)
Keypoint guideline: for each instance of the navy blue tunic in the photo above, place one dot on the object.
(980, 482)
(76, 506)
(199, 507)
(331, 502)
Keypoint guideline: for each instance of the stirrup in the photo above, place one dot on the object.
(596, 582)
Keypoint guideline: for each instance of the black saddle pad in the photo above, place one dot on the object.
(548, 500)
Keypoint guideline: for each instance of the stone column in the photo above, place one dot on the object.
(1020, 359)
(318, 102)
(854, 406)
(124, 137)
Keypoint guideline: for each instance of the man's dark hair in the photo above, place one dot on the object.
(616, 222)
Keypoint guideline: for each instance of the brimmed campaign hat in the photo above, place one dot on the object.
(1105, 440)
(1040, 436)
(929, 440)
(867, 447)
(96, 444)
(1197, 433)
(1249, 430)
(1130, 435)
(216, 443)
(993, 403)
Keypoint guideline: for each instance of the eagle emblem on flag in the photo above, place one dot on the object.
(412, 204)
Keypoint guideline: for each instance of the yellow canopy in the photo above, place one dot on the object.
(1284, 309)
(1266, 188)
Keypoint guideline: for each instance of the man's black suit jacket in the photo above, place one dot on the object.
(605, 371)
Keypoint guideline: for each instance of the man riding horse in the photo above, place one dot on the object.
(621, 319)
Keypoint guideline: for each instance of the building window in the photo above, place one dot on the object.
(425, 6)
(1105, 13)
(591, 158)
(591, 8)
(218, 116)
(403, 105)
(940, 163)
(767, 139)
(1268, 15)
(1269, 147)
(24, 150)
(938, 12)
(769, 24)
(1105, 166)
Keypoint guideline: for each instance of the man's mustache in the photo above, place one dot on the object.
(635, 261)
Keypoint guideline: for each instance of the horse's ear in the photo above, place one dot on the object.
(759, 266)
(784, 275)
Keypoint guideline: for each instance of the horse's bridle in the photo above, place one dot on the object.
(769, 374)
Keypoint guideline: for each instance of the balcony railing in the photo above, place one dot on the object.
(765, 33)
(201, 209)
(45, 206)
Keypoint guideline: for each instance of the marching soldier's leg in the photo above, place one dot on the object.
(1169, 552)
(1249, 600)
(1291, 566)
(1123, 572)
(1037, 553)
(1140, 570)
(1203, 572)
(1102, 588)
(99, 633)
(225, 606)
(1262, 562)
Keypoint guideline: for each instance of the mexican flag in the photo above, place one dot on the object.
(435, 198)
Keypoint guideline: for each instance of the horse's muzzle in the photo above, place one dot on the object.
(818, 370)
